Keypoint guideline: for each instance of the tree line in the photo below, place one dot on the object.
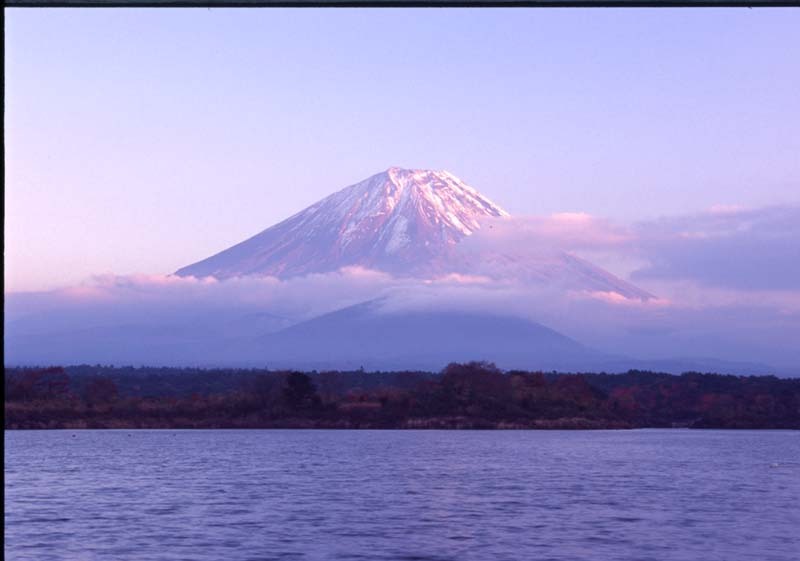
(472, 395)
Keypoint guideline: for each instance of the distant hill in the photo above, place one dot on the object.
(369, 336)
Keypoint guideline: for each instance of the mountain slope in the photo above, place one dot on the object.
(408, 223)
(377, 337)
(394, 221)
(368, 335)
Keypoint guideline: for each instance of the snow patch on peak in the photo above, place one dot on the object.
(399, 235)
(396, 220)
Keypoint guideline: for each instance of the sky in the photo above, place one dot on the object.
(140, 141)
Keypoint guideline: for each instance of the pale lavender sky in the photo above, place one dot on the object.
(144, 140)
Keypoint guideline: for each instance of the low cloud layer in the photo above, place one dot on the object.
(723, 248)
(727, 281)
(726, 248)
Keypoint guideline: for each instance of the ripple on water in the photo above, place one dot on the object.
(416, 495)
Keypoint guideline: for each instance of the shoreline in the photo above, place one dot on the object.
(420, 425)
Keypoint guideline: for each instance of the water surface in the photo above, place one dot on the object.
(460, 495)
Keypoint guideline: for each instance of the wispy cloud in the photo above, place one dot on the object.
(726, 247)
(727, 280)
(745, 249)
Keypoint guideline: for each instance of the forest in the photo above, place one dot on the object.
(475, 395)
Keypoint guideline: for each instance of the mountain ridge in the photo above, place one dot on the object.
(394, 221)
(408, 223)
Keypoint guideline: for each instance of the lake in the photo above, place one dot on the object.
(406, 495)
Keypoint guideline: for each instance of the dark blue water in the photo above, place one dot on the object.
(528, 495)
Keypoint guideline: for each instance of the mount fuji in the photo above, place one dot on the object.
(397, 221)
(412, 224)
(405, 222)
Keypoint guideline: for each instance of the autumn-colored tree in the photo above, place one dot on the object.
(101, 391)
(41, 384)
(299, 391)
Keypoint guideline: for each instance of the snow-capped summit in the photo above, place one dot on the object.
(394, 221)
(407, 222)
